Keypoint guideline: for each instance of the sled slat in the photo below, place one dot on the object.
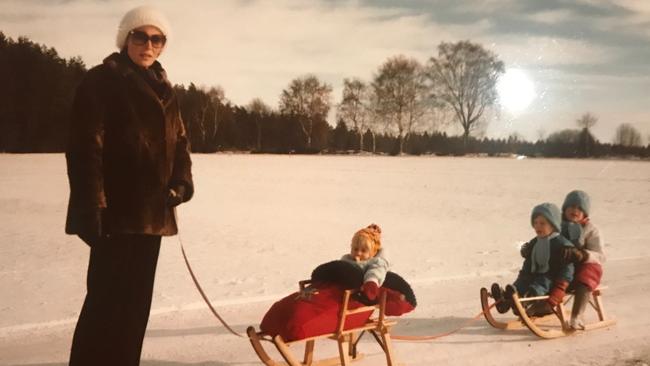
(259, 350)
(535, 298)
(283, 348)
(487, 313)
(309, 353)
(600, 324)
(599, 307)
(540, 332)
(362, 309)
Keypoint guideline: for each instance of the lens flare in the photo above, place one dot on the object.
(516, 90)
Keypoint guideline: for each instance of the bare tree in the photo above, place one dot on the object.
(354, 106)
(260, 110)
(200, 110)
(587, 140)
(307, 99)
(438, 115)
(376, 122)
(215, 98)
(541, 134)
(257, 105)
(587, 121)
(627, 135)
(464, 76)
(401, 95)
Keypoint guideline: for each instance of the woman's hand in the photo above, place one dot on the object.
(92, 231)
(176, 196)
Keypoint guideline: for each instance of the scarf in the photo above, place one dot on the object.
(573, 231)
(153, 75)
(542, 254)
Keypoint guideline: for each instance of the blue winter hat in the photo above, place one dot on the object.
(551, 212)
(577, 198)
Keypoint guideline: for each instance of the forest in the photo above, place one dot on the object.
(407, 108)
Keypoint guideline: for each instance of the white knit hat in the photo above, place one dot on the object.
(138, 17)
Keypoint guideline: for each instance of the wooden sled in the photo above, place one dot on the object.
(347, 340)
(549, 326)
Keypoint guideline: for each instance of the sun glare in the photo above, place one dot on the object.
(516, 90)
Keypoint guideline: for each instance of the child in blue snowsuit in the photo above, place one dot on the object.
(544, 271)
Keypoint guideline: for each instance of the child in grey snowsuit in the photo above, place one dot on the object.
(367, 253)
(544, 270)
(588, 255)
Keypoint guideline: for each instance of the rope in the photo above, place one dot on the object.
(440, 335)
(198, 287)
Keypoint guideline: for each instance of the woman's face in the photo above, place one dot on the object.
(144, 45)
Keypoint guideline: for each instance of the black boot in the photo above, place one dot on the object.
(510, 290)
(502, 304)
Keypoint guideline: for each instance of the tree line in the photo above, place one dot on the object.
(399, 111)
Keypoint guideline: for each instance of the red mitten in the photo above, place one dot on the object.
(556, 294)
(370, 290)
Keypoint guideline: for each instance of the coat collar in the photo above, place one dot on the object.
(116, 62)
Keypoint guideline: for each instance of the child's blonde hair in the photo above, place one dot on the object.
(370, 235)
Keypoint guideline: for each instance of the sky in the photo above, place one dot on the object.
(571, 57)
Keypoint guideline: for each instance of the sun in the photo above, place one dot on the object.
(516, 90)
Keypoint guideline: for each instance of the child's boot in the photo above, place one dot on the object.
(502, 304)
(510, 290)
(576, 323)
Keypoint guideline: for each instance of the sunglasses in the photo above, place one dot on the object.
(140, 38)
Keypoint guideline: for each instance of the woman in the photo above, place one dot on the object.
(128, 165)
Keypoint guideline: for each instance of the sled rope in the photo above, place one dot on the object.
(205, 298)
(441, 335)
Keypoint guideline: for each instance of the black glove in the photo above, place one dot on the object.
(92, 231)
(526, 249)
(176, 195)
(574, 255)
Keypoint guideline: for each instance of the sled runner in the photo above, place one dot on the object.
(347, 339)
(549, 326)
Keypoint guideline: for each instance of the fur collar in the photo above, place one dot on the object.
(122, 67)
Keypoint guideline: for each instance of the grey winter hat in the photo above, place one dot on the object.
(138, 17)
(551, 212)
(578, 198)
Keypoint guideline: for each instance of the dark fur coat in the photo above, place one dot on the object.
(127, 148)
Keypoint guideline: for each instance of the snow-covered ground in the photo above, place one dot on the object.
(259, 223)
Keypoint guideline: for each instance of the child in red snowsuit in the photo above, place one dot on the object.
(587, 255)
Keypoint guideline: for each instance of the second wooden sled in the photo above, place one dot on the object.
(549, 326)
(347, 340)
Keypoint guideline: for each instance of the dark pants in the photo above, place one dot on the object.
(532, 284)
(114, 316)
(580, 300)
